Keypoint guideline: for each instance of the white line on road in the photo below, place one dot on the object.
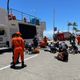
(24, 60)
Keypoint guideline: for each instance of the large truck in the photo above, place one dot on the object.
(10, 26)
(63, 36)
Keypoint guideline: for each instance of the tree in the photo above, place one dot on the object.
(75, 29)
(69, 24)
(74, 26)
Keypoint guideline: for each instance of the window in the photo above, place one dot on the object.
(2, 32)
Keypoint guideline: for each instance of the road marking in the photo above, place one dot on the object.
(4, 67)
(24, 60)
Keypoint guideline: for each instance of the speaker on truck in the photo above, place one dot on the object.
(27, 31)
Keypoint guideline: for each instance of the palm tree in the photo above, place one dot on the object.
(69, 24)
(75, 29)
(74, 26)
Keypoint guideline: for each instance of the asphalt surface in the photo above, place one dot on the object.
(42, 66)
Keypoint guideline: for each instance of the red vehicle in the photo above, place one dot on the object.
(78, 39)
(63, 36)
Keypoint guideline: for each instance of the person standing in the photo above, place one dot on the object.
(13, 38)
(35, 42)
(19, 46)
(55, 34)
(72, 39)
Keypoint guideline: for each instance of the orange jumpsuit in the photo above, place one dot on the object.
(18, 43)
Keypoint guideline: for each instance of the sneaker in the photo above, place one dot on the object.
(12, 66)
(17, 62)
(12, 63)
(24, 65)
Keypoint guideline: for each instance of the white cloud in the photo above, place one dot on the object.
(48, 33)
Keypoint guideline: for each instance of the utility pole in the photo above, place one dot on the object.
(53, 21)
(8, 7)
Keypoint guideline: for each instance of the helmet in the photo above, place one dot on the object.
(18, 33)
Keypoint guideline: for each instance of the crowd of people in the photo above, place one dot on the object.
(64, 49)
(19, 45)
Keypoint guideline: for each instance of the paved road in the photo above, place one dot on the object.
(41, 66)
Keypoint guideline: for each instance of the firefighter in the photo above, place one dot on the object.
(18, 43)
(13, 38)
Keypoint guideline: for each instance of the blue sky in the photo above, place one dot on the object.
(65, 11)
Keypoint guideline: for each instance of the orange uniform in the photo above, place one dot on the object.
(18, 44)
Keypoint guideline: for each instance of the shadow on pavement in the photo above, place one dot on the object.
(18, 67)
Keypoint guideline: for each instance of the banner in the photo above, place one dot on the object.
(55, 28)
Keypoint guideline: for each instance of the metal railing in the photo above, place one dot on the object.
(21, 16)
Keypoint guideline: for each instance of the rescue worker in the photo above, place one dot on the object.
(13, 37)
(19, 45)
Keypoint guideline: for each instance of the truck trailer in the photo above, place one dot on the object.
(9, 26)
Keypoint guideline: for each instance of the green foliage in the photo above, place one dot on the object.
(74, 24)
(69, 24)
(74, 28)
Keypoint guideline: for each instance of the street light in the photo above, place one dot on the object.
(8, 7)
(53, 22)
